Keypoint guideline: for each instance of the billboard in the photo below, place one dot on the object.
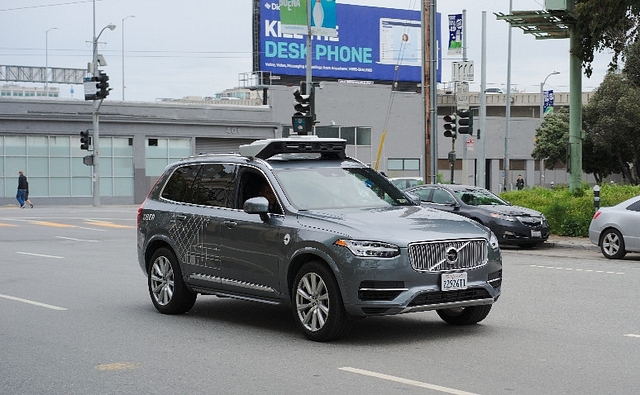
(371, 43)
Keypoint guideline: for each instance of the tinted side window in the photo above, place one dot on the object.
(423, 193)
(216, 185)
(179, 188)
(443, 197)
(634, 206)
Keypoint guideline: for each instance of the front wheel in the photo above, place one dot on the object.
(612, 244)
(317, 304)
(168, 291)
(464, 315)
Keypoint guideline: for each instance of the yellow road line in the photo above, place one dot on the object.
(54, 224)
(107, 224)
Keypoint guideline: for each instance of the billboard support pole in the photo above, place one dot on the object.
(309, 75)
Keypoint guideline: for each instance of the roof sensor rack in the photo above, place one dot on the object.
(326, 147)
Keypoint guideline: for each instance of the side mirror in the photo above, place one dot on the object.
(257, 205)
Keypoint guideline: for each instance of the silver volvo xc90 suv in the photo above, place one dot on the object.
(296, 221)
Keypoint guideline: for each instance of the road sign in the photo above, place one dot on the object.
(462, 71)
(462, 96)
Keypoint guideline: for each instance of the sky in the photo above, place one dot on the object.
(174, 49)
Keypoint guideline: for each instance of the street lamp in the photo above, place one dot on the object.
(46, 61)
(542, 93)
(96, 123)
(124, 19)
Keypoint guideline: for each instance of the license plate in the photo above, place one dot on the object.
(536, 233)
(453, 281)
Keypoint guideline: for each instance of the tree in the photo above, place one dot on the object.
(611, 122)
(552, 138)
(605, 24)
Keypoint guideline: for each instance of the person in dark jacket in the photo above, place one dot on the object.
(23, 187)
(520, 182)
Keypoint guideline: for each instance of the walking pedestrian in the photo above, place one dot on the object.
(520, 182)
(23, 187)
(26, 199)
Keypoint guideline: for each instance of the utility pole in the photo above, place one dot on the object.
(96, 108)
(428, 92)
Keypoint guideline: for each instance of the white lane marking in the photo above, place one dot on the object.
(74, 239)
(40, 255)
(576, 270)
(48, 306)
(632, 335)
(93, 229)
(407, 381)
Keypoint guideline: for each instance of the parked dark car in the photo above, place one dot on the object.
(512, 225)
(295, 221)
(616, 229)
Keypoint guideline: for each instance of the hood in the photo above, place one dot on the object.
(398, 225)
(513, 210)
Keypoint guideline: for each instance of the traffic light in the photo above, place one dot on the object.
(465, 122)
(102, 85)
(85, 140)
(302, 119)
(450, 126)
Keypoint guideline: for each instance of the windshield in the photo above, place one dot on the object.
(479, 197)
(335, 187)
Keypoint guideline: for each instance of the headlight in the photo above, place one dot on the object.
(369, 249)
(503, 216)
(493, 242)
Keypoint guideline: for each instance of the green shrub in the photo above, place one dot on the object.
(569, 213)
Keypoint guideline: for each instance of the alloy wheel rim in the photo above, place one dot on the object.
(162, 281)
(312, 302)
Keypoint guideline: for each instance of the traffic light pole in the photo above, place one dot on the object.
(96, 152)
(309, 77)
(96, 122)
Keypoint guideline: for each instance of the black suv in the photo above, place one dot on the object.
(295, 221)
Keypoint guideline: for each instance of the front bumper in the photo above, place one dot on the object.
(392, 286)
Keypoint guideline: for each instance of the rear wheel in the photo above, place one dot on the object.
(464, 315)
(168, 291)
(317, 303)
(612, 244)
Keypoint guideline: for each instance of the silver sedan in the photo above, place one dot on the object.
(616, 229)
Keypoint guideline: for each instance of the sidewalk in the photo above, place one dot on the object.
(556, 241)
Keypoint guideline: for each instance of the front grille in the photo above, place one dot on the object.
(429, 298)
(448, 255)
(532, 222)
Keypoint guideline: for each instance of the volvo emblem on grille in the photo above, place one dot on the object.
(452, 256)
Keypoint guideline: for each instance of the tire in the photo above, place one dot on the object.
(317, 304)
(612, 244)
(464, 315)
(167, 289)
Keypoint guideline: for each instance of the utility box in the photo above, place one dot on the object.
(559, 5)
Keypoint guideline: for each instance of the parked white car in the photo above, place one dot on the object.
(616, 229)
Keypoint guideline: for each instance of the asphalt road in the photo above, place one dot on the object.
(75, 318)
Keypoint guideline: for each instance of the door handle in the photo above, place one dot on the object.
(230, 224)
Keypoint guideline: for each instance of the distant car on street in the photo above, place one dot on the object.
(512, 225)
(616, 229)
